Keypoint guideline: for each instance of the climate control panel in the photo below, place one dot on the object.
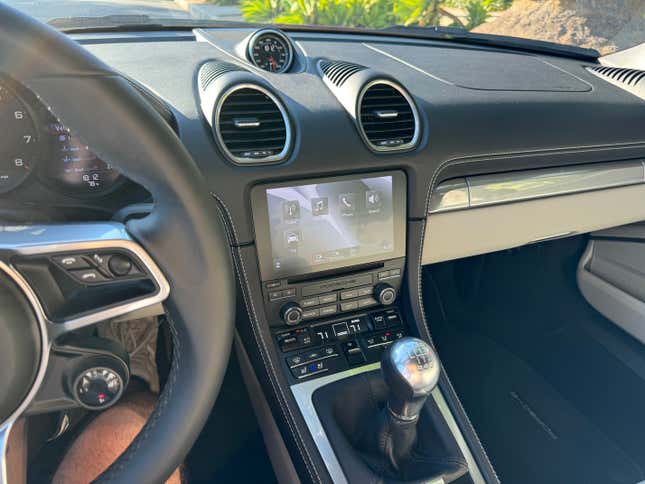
(293, 302)
(339, 344)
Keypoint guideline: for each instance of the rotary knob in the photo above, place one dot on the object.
(291, 313)
(98, 388)
(385, 294)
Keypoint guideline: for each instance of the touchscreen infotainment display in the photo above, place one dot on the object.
(332, 223)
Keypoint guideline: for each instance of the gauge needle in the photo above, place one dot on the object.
(274, 66)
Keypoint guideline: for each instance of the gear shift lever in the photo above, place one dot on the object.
(411, 370)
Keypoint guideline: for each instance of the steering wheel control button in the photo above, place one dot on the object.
(385, 294)
(291, 313)
(71, 262)
(120, 265)
(98, 388)
(89, 276)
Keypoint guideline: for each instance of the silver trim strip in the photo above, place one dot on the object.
(485, 190)
(303, 393)
(5, 430)
(285, 118)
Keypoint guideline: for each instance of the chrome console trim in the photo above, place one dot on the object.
(303, 393)
(5, 430)
(484, 190)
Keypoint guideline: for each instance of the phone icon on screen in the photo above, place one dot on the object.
(347, 202)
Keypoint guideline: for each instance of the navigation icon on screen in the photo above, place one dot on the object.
(292, 238)
(320, 206)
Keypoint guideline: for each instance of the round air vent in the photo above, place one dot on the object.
(387, 117)
(252, 126)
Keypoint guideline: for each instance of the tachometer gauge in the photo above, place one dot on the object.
(74, 167)
(271, 50)
(18, 141)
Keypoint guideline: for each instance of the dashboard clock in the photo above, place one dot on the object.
(270, 50)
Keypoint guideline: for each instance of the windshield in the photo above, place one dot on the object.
(607, 26)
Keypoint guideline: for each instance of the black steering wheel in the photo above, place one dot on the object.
(181, 245)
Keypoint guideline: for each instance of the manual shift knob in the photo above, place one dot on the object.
(411, 370)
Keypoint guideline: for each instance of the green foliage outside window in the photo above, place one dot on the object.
(370, 13)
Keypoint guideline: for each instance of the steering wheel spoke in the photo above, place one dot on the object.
(47, 267)
(83, 274)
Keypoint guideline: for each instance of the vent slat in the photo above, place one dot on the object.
(211, 70)
(337, 72)
(629, 77)
(387, 133)
(255, 143)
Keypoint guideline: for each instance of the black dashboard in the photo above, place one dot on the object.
(321, 151)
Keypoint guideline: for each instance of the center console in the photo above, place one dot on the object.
(331, 253)
(332, 259)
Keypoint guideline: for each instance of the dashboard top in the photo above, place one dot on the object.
(481, 109)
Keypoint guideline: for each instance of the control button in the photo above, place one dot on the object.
(379, 320)
(328, 310)
(291, 313)
(349, 306)
(358, 325)
(385, 294)
(393, 318)
(365, 291)
(345, 282)
(328, 298)
(294, 339)
(273, 284)
(310, 369)
(308, 303)
(340, 329)
(275, 295)
(395, 272)
(71, 261)
(367, 302)
(350, 294)
(383, 275)
(89, 276)
(300, 371)
(329, 350)
(98, 388)
(295, 360)
(311, 314)
(353, 353)
(324, 333)
(120, 265)
(313, 355)
(289, 292)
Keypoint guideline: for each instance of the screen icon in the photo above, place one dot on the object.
(347, 202)
(291, 210)
(319, 206)
(292, 238)
(373, 201)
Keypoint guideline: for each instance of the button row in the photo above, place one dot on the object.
(340, 330)
(295, 339)
(391, 274)
(97, 267)
(277, 295)
(311, 356)
(382, 339)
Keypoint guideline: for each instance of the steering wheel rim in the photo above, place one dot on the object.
(184, 234)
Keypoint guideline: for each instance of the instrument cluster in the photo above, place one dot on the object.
(35, 144)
